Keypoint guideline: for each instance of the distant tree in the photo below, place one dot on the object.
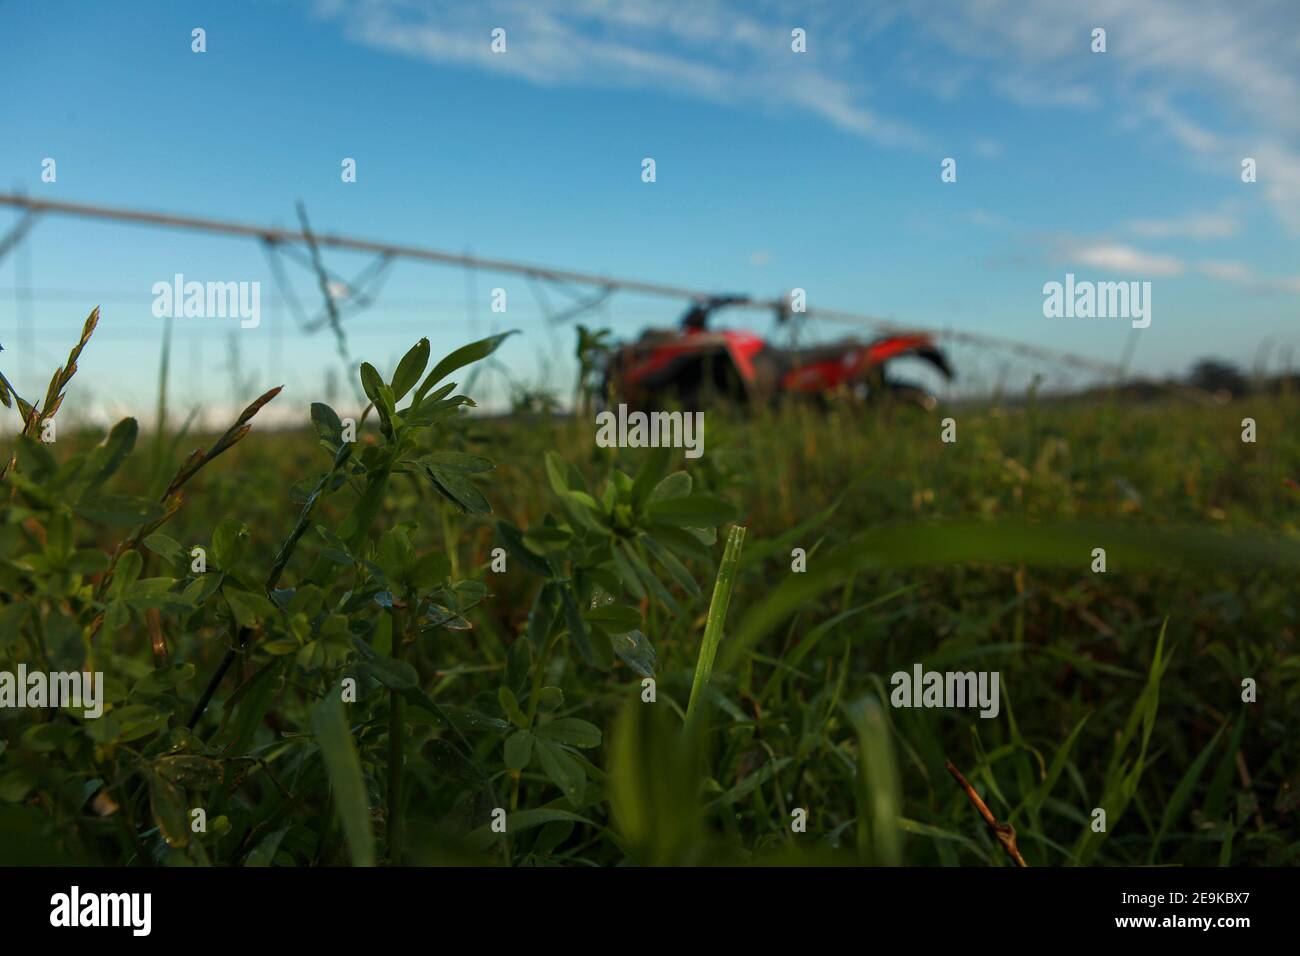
(1213, 375)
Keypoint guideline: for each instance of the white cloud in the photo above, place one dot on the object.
(1226, 271)
(1237, 62)
(1241, 274)
(1121, 259)
(1209, 225)
(1222, 156)
(982, 217)
(699, 48)
(1278, 171)
(1114, 257)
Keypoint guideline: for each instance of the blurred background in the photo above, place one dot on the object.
(774, 169)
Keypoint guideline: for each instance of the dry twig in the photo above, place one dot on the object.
(1005, 832)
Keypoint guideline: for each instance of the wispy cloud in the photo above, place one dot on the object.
(1225, 271)
(1118, 258)
(1206, 225)
(702, 48)
(1241, 274)
(1239, 63)
(1121, 259)
(1217, 79)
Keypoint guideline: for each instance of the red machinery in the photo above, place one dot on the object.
(689, 365)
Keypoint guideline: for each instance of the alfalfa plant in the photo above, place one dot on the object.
(601, 548)
(67, 603)
(59, 589)
(411, 592)
(599, 560)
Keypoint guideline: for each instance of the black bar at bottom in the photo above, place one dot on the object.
(335, 906)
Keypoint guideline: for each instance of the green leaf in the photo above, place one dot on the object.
(571, 731)
(410, 368)
(519, 750)
(395, 675)
(557, 473)
(371, 383)
(550, 698)
(190, 770)
(128, 569)
(650, 475)
(395, 554)
(674, 567)
(17, 783)
(105, 460)
(264, 852)
(631, 580)
(541, 617)
(548, 539)
(633, 649)
(458, 461)
(463, 356)
(483, 837)
(676, 485)
(119, 510)
(519, 662)
(167, 805)
(429, 570)
(249, 609)
(228, 542)
(513, 542)
(43, 738)
(327, 423)
(252, 707)
(506, 697)
(682, 541)
(648, 578)
(167, 548)
(125, 724)
(145, 596)
(34, 458)
(88, 561)
(163, 679)
(565, 772)
(12, 617)
(591, 650)
(458, 489)
(116, 615)
(330, 727)
(527, 819)
(692, 511)
(614, 618)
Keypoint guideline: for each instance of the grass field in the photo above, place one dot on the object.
(394, 685)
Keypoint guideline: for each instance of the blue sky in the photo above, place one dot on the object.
(774, 169)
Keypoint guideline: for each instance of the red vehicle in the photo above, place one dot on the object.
(690, 365)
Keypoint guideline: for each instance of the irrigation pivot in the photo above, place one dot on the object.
(387, 251)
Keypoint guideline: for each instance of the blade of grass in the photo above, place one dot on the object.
(1123, 773)
(717, 616)
(1183, 792)
(1006, 542)
(877, 792)
(330, 727)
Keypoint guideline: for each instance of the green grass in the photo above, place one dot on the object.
(523, 690)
